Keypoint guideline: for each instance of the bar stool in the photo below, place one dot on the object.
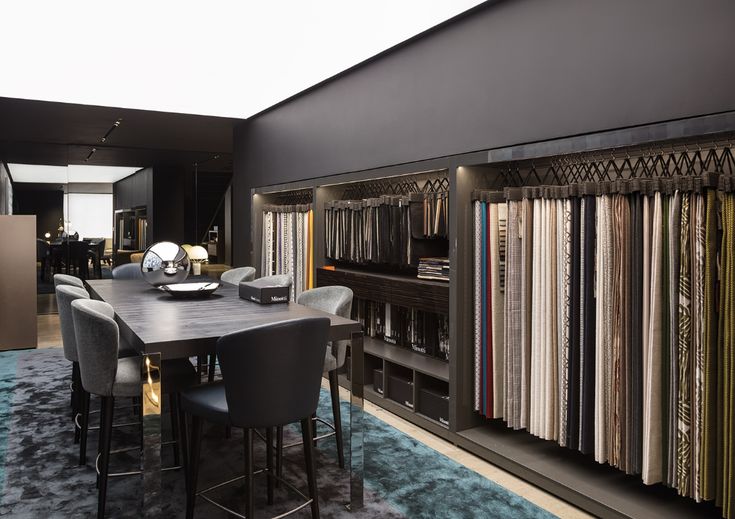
(236, 275)
(104, 374)
(271, 377)
(65, 294)
(335, 300)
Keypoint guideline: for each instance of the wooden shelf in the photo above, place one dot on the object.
(422, 294)
(403, 357)
(599, 489)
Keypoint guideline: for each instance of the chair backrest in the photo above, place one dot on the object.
(272, 373)
(335, 300)
(65, 279)
(98, 339)
(127, 271)
(65, 294)
(78, 249)
(137, 257)
(280, 280)
(234, 276)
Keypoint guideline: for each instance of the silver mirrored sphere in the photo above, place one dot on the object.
(164, 263)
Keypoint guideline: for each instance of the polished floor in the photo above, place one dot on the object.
(49, 336)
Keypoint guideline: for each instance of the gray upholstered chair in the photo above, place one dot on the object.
(281, 280)
(103, 373)
(65, 279)
(65, 294)
(127, 271)
(335, 300)
(236, 275)
(249, 358)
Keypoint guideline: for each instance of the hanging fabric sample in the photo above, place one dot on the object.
(513, 336)
(287, 244)
(490, 262)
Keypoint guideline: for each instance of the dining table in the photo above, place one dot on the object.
(161, 327)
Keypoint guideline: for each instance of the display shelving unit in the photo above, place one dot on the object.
(599, 489)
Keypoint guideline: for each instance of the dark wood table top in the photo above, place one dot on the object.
(153, 321)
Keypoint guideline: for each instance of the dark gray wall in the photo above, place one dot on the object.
(513, 72)
(43, 201)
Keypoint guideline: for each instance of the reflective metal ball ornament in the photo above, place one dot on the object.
(164, 263)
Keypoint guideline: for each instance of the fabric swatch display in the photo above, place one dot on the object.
(429, 214)
(287, 244)
(612, 331)
(371, 231)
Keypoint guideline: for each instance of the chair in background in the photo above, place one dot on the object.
(335, 300)
(105, 374)
(127, 271)
(234, 276)
(137, 257)
(280, 363)
(107, 251)
(79, 258)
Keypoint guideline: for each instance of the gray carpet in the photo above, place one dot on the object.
(41, 478)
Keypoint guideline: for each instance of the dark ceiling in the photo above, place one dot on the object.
(41, 132)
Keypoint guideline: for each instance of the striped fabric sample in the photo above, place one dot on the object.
(606, 323)
(287, 245)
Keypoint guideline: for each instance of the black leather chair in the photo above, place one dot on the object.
(271, 376)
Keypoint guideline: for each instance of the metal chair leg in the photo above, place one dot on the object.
(193, 472)
(108, 408)
(269, 462)
(336, 414)
(279, 454)
(84, 427)
(249, 488)
(306, 433)
(173, 415)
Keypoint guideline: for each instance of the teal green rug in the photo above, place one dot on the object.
(39, 476)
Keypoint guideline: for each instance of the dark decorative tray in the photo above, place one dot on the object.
(190, 290)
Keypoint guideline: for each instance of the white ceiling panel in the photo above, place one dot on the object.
(70, 174)
(231, 58)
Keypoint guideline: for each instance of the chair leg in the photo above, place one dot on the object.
(106, 415)
(279, 454)
(313, 429)
(212, 366)
(84, 427)
(269, 462)
(306, 434)
(76, 398)
(193, 472)
(249, 498)
(182, 439)
(173, 415)
(337, 416)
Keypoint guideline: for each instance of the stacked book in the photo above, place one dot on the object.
(434, 268)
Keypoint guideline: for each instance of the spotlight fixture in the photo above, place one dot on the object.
(112, 128)
(90, 154)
